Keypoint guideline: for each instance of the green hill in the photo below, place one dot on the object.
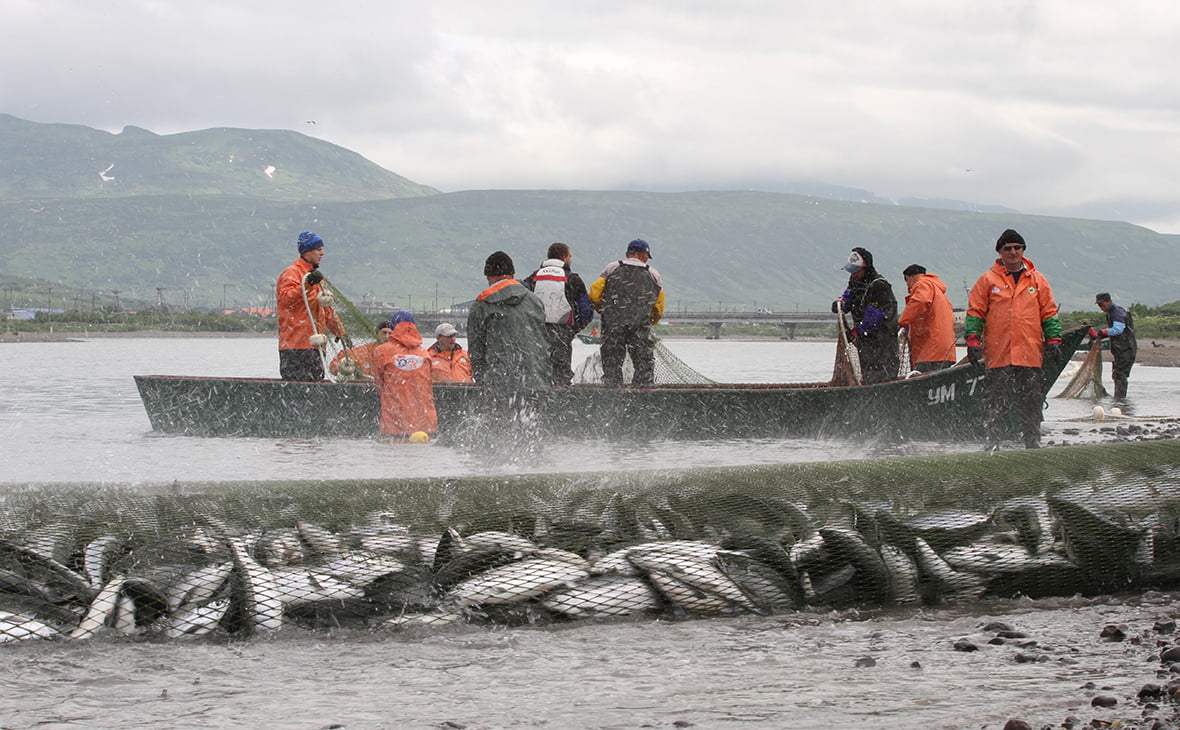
(188, 218)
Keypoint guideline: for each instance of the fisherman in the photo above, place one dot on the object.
(357, 363)
(567, 308)
(630, 296)
(1012, 326)
(449, 360)
(506, 333)
(297, 297)
(872, 308)
(401, 370)
(930, 320)
(1120, 328)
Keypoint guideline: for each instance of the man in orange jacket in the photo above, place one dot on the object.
(401, 370)
(1012, 326)
(361, 356)
(449, 361)
(930, 320)
(301, 314)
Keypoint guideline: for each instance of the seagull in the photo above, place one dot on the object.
(310, 121)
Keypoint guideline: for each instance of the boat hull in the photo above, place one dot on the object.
(945, 404)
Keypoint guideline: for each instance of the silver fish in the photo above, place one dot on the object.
(198, 586)
(96, 557)
(16, 627)
(262, 602)
(301, 586)
(692, 582)
(493, 540)
(903, 575)
(958, 584)
(196, 619)
(515, 582)
(320, 539)
(103, 610)
(361, 568)
(603, 595)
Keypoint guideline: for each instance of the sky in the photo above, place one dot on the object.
(1057, 107)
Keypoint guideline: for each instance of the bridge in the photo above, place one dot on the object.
(714, 321)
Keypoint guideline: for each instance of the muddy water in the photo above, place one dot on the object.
(892, 669)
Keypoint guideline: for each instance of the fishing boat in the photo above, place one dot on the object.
(938, 405)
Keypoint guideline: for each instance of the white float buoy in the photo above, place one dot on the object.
(317, 340)
(1099, 413)
(1116, 411)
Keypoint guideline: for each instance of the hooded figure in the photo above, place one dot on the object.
(870, 303)
(401, 370)
(506, 332)
(930, 320)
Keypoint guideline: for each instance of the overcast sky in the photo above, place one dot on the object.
(1039, 105)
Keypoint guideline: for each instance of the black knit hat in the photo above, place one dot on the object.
(1009, 236)
(499, 264)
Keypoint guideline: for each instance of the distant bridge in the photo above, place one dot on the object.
(713, 321)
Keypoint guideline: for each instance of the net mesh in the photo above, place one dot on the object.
(343, 356)
(1086, 381)
(179, 561)
(669, 369)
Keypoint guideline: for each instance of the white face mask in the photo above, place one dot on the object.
(855, 263)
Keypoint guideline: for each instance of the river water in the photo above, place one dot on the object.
(69, 412)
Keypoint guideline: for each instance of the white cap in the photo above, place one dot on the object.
(446, 329)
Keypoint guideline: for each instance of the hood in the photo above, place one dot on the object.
(553, 262)
(934, 280)
(506, 293)
(406, 333)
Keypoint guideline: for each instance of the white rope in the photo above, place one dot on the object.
(328, 349)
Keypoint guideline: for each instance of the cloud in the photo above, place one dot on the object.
(1037, 106)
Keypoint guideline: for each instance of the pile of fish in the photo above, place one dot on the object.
(675, 554)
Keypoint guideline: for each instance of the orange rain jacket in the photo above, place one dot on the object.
(361, 354)
(1015, 318)
(453, 366)
(931, 321)
(401, 369)
(295, 328)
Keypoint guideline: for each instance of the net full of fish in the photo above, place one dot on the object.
(170, 562)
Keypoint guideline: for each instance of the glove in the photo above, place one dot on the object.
(315, 277)
(1053, 349)
(853, 334)
(1093, 334)
(974, 350)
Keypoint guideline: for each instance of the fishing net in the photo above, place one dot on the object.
(184, 560)
(345, 358)
(669, 369)
(1086, 381)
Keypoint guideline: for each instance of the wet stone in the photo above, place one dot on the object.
(1164, 626)
(1113, 633)
(1104, 701)
(1150, 691)
(964, 645)
(866, 661)
(1010, 634)
(1017, 725)
(1170, 655)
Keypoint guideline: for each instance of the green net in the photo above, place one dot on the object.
(344, 357)
(1086, 381)
(177, 561)
(669, 369)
